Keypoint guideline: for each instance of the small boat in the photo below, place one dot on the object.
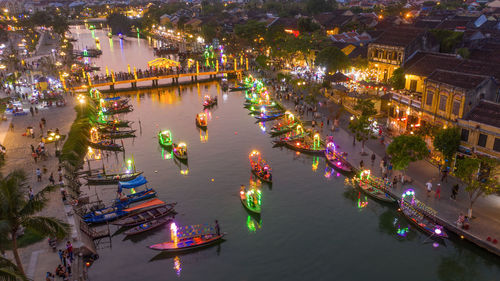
(106, 145)
(117, 110)
(189, 238)
(119, 134)
(180, 151)
(416, 214)
(165, 138)
(280, 129)
(104, 179)
(118, 211)
(267, 117)
(113, 129)
(209, 101)
(110, 35)
(136, 197)
(121, 36)
(306, 147)
(373, 188)
(201, 120)
(335, 159)
(116, 123)
(260, 168)
(251, 199)
(97, 41)
(146, 215)
(147, 226)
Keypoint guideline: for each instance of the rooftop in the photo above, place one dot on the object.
(486, 112)
(457, 79)
(399, 36)
(424, 64)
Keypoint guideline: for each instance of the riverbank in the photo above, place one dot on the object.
(485, 225)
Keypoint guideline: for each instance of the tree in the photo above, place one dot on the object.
(209, 30)
(333, 59)
(119, 23)
(366, 107)
(360, 63)
(16, 212)
(448, 39)
(9, 271)
(360, 127)
(397, 80)
(405, 149)
(320, 6)
(447, 142)
(480, 176)
(464, 52)
(250, 31)
(59, 25)
(306, 25)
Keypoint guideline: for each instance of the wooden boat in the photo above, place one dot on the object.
(280, 129)
(136, 197)
(118, 211)
(267, 117)
(117, 110)
(116, 123)
(415, 212)
(260, 168)
(239, 88)
(201, 121)
(165, 138)
(209, 101)
(336, 160)
(265, 105)
(374, 191)
(106, 145)
(103, 178)
(251, 199)
(180, 151)
(305, 147)
(148, 226)
(119, 134)
(189, 238)
(146, 215)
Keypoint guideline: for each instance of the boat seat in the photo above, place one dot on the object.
(151, 214)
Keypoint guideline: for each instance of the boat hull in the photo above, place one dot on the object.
(189, 243)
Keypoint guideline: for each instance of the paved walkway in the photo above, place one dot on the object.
(38, 258)
(486, 222)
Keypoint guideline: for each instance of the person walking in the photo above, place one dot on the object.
(69, 248)
(31, 194)
(429, 188)
(395, 182)
(38, 174)
(32, 111)
(438, 191)
(51, 179)
(454, 191)
(373, 158)
(361, 164)
(444, 176)
(60, 255)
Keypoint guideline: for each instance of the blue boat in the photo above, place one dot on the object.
(265, 117)
(138, 181)
(100, 217)
(136, 197)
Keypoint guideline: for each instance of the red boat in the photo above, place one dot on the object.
(188, 238)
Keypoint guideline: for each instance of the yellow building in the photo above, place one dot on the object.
(395, 47)
(480, 130)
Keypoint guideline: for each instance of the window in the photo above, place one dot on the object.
(456, 107)
(413, 85)
(482, 140)
(496, 145)
(465, 135)
(442, 102)
(430, 96)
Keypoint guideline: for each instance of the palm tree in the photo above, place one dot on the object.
(18, 212)
(9, 271)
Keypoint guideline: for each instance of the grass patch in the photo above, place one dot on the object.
(28, 238)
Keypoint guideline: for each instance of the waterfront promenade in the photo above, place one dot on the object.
(485, 222)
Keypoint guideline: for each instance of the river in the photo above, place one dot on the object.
(313, 226)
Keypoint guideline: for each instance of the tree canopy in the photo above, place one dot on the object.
(397, 80)
(333, 59)
(447, 142)
(405, 149)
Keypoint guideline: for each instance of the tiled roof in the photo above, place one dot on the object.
(332, 19)
(486, 112)
(427, 64)
(457, 79)
(399, 36)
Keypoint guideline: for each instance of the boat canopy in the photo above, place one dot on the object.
(140, 180)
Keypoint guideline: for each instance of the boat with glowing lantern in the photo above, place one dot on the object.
(180, 151)
(307, 145)
(374, 187)
(259, 167)
(188, 238)
(420, 215)
(251, 199)
(115, 123)
(209, 101)
(335, 158)
(165, 138)
(117, 110)
(106, 145)
(297, 134)
(201, 121)
(118, 134)
(105, 179)
(262, 117)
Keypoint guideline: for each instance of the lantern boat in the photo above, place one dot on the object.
(201, 120)
(165, 138)
(251, 199)
(420, 215)
(115, 123)
(106, 145)
(188, 238)
(117, 110)
(260, 168)
(118, 134)
(180, 151)
(267, 117)
(335, 159)
(209, 101)
(307, 146)
(374, 187)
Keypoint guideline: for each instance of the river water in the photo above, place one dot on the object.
(313, 226)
